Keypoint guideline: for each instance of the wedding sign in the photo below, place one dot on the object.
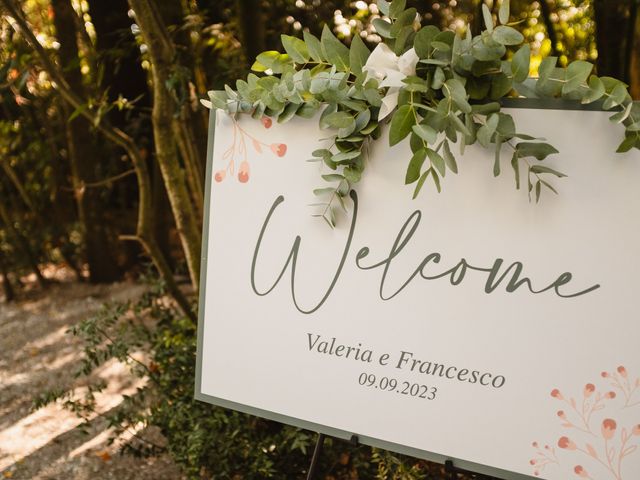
(473, 324)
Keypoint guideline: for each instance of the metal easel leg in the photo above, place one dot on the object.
(317, 451)
(451, 470)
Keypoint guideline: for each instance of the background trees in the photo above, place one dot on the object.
(102, 151)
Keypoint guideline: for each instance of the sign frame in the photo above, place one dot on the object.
(459, 463)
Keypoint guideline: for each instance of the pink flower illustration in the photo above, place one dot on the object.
(280, 149)
(243, 174)
(219, 176)
(239, 151)
(607, 448)
(566, 443)
(589, 388)
(629, 388)
(608, 428)
(581, 472)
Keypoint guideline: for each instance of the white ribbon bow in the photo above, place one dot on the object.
(389, 69)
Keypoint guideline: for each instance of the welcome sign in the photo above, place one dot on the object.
(470, 325)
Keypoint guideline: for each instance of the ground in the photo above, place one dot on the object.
(36, 355)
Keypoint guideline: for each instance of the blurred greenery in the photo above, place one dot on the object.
(86, 180)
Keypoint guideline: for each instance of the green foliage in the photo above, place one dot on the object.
(206, 441)
(444, 100)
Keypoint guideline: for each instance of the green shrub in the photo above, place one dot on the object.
(205, 440)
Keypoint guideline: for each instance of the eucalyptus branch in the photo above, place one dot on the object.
(446, 82)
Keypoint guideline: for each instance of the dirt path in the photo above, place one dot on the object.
(36, 355)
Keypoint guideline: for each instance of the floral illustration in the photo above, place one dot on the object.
(594, 438)
(621, 381)
(237, 152)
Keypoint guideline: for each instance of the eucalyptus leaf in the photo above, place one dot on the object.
(423, 39)
(396, 8)
(437, 161)
(616, 97)
(449, 159)
(539, 150)
(520, 63)
(339, 119)
(627, 144)
(515, 164)
(426, 133)
(544, 169)
(420, 183)
(438, 78)
(358, 54)
(345, 156)
(496, 160)
(622, 115)
(546, 68)
(577, 74)
(383, 28)
(415, 166)
(329, 109)
(401, 123)
(488, 18)
(507, 35)
(334, 50)
(296, 48)
(454, 89)
(596, 90)
(313, 46)
(504, 13)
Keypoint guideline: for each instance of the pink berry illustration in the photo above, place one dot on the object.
(566, 443)
(243, 173)
(555, 393)
(219, 175)
(608, 428)
(589, 388)
(280, 149)
(266, 122)
(580, 471)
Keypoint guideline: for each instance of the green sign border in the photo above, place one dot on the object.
(547, 104)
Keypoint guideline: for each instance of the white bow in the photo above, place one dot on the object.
(389, 69)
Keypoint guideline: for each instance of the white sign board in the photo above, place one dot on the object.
(472, 324)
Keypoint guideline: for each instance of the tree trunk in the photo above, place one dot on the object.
(252, 30)
(549, 26)
(9, 294)
(161, 53)
(162, 224)
(119, 55)
(191, 139)
(633, 52)
(102, 265)
(22, 244)
(64, 208)
(612, 21)
(144, 230)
